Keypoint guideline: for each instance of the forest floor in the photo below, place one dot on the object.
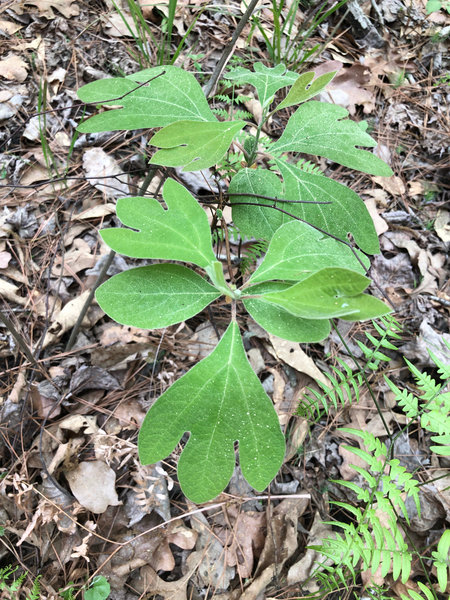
(71, 399)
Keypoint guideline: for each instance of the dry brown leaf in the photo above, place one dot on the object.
(150, 583)
(350, 88)
(10, 292)
(210, 557)
(96, 212)
(101, 168)
(68, 8)
(13, 68)
(301, 570)
(296, 437)
(283, 407)
(292, 354)
(442, 224)
(9, 27)
(347, 472)
(116, 27)
(68, 316)
(93, 485)
(393, 185)
(77, 259)
(243, 535)
(380, 224)
(281, 542)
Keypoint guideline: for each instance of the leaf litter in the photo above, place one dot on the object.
(92, 399)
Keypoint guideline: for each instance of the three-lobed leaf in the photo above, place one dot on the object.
(266, 80)
(171, 95)
(179, 233)
(155, 296)
(193, 145)
(219, 401)
(327, 294)
(322, 129)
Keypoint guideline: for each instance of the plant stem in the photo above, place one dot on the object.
(104, 269)
(229, 49)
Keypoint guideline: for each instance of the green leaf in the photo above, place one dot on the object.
(192, 145)
(305, 88)
(278, 321)
(433, 6)
(330, 293)
(179, 233)
(297, 250)
(219, 401)
(155, 296)
(256, 221)
(174, 96)
(346, 213)
(267, 81)
(99, 589)
(317, 128)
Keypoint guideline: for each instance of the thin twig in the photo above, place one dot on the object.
(229, 49)
(273, 198)
(18, 337)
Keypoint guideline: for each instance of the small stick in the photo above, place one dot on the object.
(229, 49)
(18, 337)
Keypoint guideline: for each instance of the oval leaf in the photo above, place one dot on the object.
(281, 323)
(173, 96)
(193, 146)
(179, 233)
(155, 296)
(297, 250)
(345, 214)
(330, 293)
(321, 129)
(256, 221)
(305, 88)
(220, 400)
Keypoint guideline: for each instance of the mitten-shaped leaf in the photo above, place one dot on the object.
(266, 80)
(305, 88)
(155, 296)
(320, 128)
(192, 145)
(179, 233)
(219, 401)
(173, 96)
(257, 221)
(330, 293)
(298, 250)
(274, 319)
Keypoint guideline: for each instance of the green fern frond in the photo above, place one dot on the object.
(221, 112)
(242, 115)
(431, 405)
(35, 592)
(252, 253)
(344, 385)
(308, 167)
